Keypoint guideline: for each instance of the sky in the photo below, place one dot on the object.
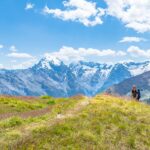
(105, 31)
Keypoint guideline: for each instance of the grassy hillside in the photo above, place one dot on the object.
(14, 105)
(103, 122)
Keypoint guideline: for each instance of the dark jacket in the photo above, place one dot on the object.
(134, 93)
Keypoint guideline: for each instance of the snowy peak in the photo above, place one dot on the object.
(53, 60)
(49, 62)
(87, 69)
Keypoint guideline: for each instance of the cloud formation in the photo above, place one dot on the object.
(19, 55)
(83, 11)
(29, 6)
(24, 64)
(1, 46)
(137, 52)
(13, 48)
(1, 66)
(132, 39)
(69, 54)
(134, 14)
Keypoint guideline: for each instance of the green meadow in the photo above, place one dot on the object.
(77, 123)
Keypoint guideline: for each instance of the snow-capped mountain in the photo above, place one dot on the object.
(53, 77)
(118, 73)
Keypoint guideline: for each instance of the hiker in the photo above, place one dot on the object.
(134, 92)
(138, 95)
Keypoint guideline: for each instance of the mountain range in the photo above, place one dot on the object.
(51, 76)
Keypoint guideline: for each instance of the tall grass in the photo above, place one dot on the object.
(108, 123)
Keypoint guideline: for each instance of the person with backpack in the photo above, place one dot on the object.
(134, 92)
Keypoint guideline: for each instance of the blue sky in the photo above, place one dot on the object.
(90, 30)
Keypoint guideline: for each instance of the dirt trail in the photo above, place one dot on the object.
(33, 113)
(27, 130)
(72, 112)
(24, 115)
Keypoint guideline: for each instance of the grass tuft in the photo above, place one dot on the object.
(12, 122)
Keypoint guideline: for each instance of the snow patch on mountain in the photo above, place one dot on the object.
(51, 76)
(138, 68)
(53, 60)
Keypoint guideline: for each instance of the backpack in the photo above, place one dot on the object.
(139, 94)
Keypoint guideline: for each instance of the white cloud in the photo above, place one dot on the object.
(132, 39)
(13, 48)
(69, 54)
(1, 66)
(1, 46)
(121, 53)
(137, 52)
(126, 61)
(83, 11)
(24, 65)
(29, 6)
(134, 14)
(19, 55)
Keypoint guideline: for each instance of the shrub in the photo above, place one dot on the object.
(46, 97)
(12, 122)
(51, 102)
